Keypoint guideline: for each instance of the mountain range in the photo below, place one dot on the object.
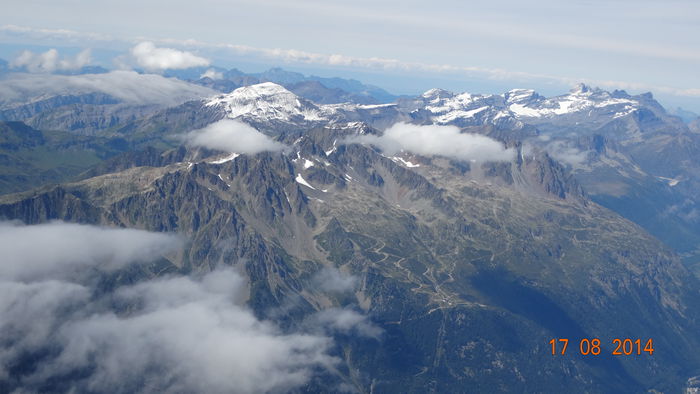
(463, 231)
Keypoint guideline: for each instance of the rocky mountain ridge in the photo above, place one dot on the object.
(447, 257)
(626, 151)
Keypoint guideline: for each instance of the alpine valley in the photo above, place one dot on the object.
(577, 216)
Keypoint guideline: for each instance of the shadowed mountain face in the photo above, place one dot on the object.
(31, 158)
(467, 268)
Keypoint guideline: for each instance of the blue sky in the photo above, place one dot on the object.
(404, 46)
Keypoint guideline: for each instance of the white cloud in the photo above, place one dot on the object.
(389, 64)
(686, 210)
(233, 136)
(213, 74)
(58, 249)
(152, 58)
(567, 154)
(127, 86)
(299, 56)
(62, 34)
(346, 321)
(195, 336)
(438, 140)
(333, 280)
(50, 61)
(173, 334)
(181, 335)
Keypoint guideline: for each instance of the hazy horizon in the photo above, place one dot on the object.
(405, 47)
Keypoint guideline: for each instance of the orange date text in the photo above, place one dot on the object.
(592, 346)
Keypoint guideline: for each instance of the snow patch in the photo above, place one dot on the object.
(404, 162)
(375, 106)
(459, 114)
(300, 179)
(225, 159)
(522, 110)
(328, 152)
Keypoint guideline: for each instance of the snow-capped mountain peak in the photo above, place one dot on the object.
(527, 104)
(521, 106)
(437, 94)
(266, 101)
(520, 95)
(582, 88)
(269, 104)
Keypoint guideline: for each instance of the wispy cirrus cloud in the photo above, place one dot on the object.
(66, 34)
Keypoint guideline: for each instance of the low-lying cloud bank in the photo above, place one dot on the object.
(438, 140)
(57, 249)
(60, 328)
(233, 136)
(127, 86)
(154, 58)
(50, 61)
